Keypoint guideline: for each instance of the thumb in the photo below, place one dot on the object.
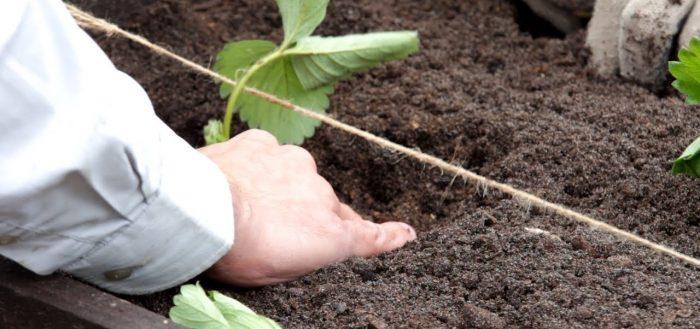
(370, 239)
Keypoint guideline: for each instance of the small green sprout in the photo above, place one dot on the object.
(302, 69)
(687, 74)
(197, 310)
(214, 132)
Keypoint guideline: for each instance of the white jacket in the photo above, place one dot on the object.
(91, 181)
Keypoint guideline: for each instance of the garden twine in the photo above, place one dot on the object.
(89, 21)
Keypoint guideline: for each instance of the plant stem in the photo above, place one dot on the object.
(240, 84)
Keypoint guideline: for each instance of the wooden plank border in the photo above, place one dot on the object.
(28, 300)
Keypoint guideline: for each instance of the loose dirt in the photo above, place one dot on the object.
(484, 94)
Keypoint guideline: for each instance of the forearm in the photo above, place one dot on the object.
(93, 182)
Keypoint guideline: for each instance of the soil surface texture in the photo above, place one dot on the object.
(484, 94)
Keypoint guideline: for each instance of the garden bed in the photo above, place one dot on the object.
(484, 94)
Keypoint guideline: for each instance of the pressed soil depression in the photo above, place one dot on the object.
(485, 95)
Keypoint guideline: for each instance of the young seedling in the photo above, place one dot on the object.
(302, 69)
(687, 74)
(197, 310)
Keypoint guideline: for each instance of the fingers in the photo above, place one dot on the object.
(213, 149)
(298, 156)
(647, 29)
(255, 135)
(258, 137)
(603, 36)
(370, 239)
(346, 213)
(691, 28)
(293, 154)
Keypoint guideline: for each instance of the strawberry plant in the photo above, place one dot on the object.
(302, 69)
(687, 73)
(196, 309)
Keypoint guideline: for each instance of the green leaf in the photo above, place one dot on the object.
(301, 17)
(243, 320)
(320, 61)
(214, 132)
(239, 315)
(193, 309)
(224, 302)
(236, 57)
(279, 78)
(687, 71)
(689, 162)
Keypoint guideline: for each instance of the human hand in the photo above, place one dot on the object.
(288, 220)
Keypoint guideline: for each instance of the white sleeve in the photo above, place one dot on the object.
(91, 181)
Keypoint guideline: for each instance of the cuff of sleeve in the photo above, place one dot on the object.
(180, 231)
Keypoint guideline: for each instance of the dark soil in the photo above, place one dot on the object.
(488, 96)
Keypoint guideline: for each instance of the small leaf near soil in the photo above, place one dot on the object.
(689, 162)
(194, 309)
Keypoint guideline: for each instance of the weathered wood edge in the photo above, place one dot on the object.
(28, 300)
